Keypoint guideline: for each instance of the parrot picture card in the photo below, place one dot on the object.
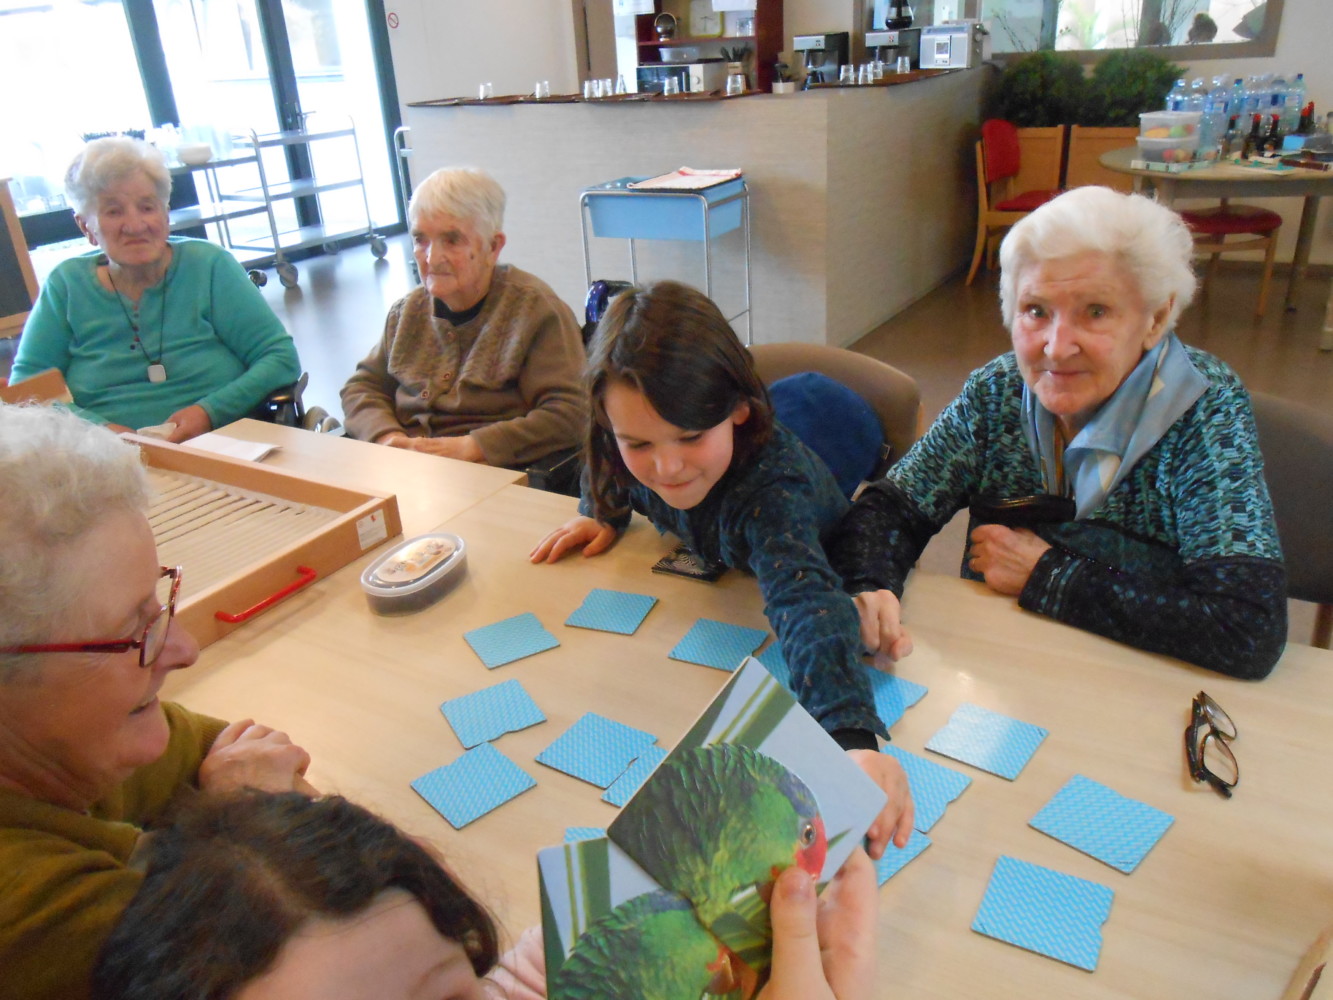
(609, 930)
(896, 858)
(635, 775)
(933, 785)
(755, 786)
(1046, 911)
(1099, 821)
(488, 714)
(573, 834)
(596, 749)
(716, 644)
(612, 611)
(509, 640)
(988, 740)
(480, 780)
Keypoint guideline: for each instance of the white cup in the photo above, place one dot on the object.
(486, 91)
(670, 86)
(735, 85)
(542, 89)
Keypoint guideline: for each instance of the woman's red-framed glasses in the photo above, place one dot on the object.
(149, 644)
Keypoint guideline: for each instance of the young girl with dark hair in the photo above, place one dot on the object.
(682, 431)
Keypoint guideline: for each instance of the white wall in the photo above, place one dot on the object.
(447, 49)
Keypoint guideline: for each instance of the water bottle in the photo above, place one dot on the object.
(1175, 100)
(1277, 98)
(1256, 100)
(1194, 99)
(1214, 121)
(1291, 114)
(1236, 103)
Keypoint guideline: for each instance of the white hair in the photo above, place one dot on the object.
(60, 477)
(104, 162)
(1149, 240)
(464, 192)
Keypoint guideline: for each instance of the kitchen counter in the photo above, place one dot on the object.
(862, 199)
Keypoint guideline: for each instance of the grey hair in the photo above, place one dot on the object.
(464, 192)
(1148, 239)
(60, 477)
(104, 162)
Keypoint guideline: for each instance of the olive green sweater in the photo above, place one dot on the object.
(63, 874)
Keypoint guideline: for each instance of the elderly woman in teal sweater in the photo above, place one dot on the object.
(148, 329)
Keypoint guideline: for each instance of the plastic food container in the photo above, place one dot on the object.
(1169, 124)
(1179, 150)
(415, 574)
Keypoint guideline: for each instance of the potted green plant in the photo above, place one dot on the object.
(1039, 90)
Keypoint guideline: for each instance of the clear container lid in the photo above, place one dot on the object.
(413, 565)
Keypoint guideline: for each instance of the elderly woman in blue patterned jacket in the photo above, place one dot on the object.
(1166, 540)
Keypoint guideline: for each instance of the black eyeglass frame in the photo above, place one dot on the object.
(1207, 713)
(146, 641)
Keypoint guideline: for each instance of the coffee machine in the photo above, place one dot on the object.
(823, 54)
(889, 45)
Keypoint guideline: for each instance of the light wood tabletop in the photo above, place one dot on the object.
(429, 488)
(1223, 906)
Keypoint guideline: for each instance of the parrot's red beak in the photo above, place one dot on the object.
(811, 857)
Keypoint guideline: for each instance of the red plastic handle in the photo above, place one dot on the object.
(307, 578)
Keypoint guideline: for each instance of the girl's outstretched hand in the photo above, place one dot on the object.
(594, 537)
(824, 948)
(895, 819)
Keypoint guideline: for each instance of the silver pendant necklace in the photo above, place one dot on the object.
(157, 372)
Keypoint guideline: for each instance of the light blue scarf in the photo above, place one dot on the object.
(1162, 386)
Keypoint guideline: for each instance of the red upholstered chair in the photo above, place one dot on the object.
(1212, 226)
(998, 164)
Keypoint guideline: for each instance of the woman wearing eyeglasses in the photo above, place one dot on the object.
(89, 756)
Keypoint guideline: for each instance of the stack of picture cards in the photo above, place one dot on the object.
(673, 901)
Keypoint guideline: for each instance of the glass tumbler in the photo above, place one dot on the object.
(735, 85)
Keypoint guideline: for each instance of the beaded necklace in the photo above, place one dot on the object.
(157, 371)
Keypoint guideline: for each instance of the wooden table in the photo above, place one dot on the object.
(1226, 180)
(1222, 907)
(429, 488)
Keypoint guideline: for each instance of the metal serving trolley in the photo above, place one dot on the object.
(617, 211)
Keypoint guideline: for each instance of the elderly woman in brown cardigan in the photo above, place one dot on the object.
(90, 758)
(483, 362)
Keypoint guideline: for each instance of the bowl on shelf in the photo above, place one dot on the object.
(194, 154)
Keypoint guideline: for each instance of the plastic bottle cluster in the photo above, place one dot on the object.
(1265, 95)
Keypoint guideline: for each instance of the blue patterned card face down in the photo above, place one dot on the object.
(1099, 821)
(896, 858)
(510, 640)
(716, 644)
(635, 775)
(1045, 911)
(988, 740)
(474, 784)
(893, 695)
(596, 749)
(488, 714)
(612, 611)
(933, 785)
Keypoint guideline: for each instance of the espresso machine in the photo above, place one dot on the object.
(889, 45)
(822, 54)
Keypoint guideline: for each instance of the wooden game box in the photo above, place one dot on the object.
(248, 537)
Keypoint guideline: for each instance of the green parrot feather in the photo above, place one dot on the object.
(717, 819)
(650, 947)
